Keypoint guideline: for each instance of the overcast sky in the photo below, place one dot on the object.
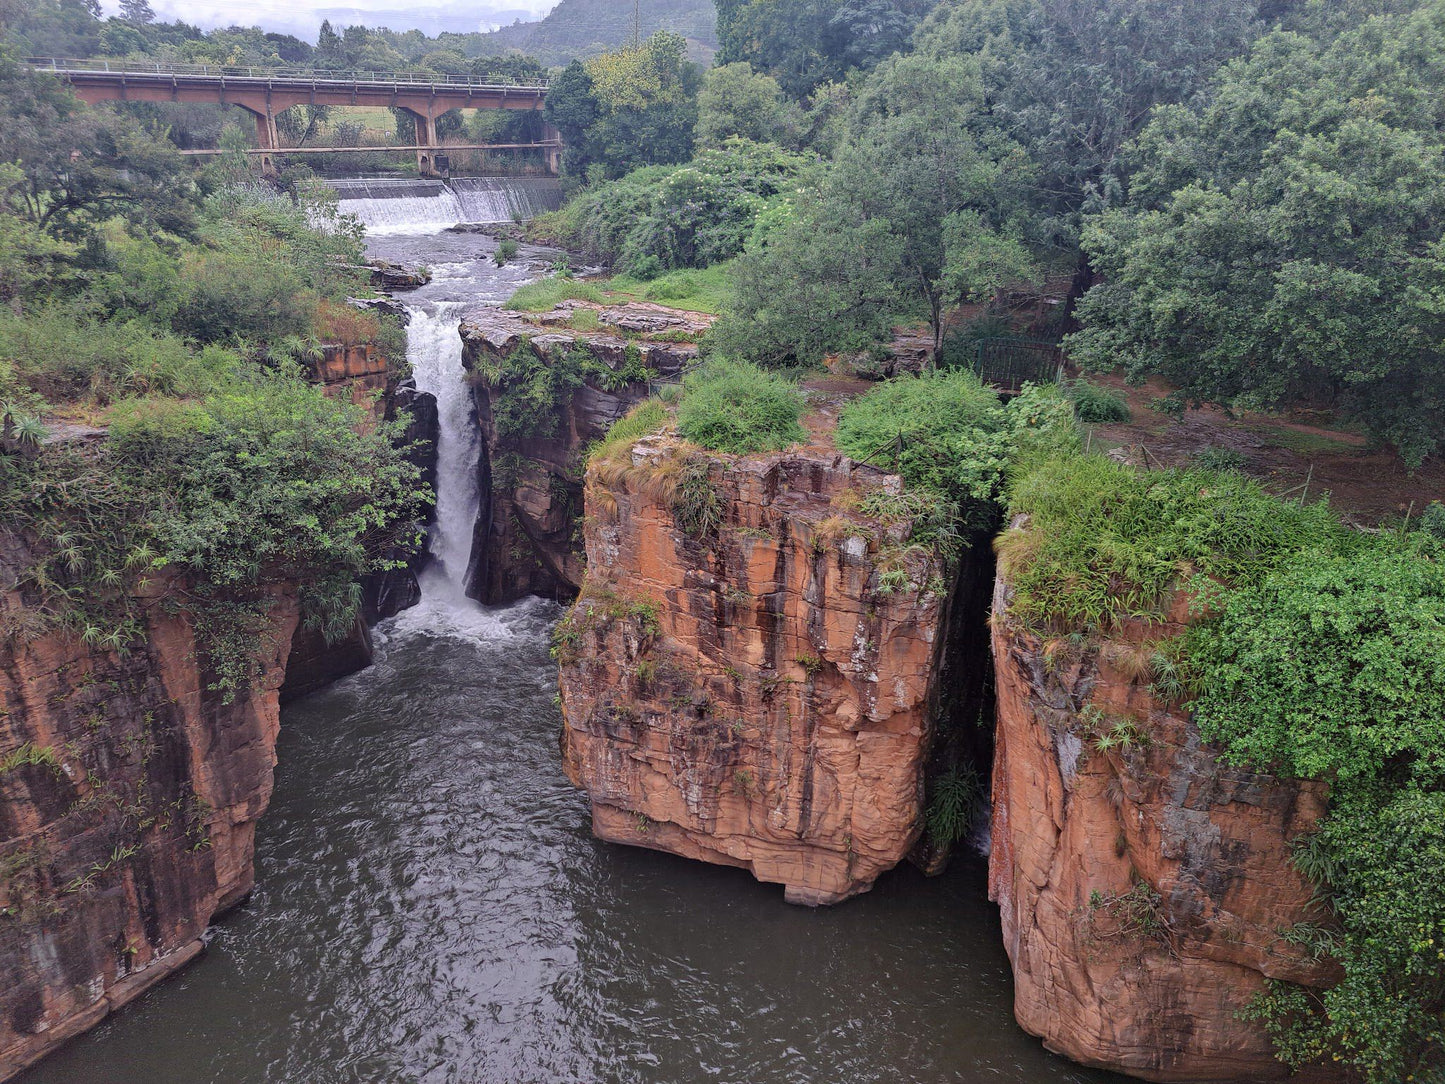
(303, 17)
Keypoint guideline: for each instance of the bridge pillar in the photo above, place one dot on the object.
(267, 138)
(426, 139)
(552, 155)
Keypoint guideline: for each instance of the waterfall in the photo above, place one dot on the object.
(434, 348)
(389, 205)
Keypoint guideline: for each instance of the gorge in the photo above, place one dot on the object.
(430, 905)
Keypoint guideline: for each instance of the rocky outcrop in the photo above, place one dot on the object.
(1145, 887)
(527, 540)
(749, 685)
(386, 275)
(129, 795)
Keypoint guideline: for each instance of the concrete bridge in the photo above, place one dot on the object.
(265, 92)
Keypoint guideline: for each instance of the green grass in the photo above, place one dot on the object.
(646, 417)
(1106, 543)
(546, 295)
(707, 291)
(733, 406)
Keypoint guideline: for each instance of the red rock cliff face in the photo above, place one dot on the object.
(527, 542)
(750, 695)
(1143, 885)
(129, 796)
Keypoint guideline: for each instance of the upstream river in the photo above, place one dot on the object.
(431, 907)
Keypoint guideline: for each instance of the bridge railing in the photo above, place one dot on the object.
(63, 66)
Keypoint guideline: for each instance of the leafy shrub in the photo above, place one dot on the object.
(927, 428)
(506, 252)
(1432, 521)
(65, 354)
(667, 217)
(1096, 405)
(243, 295)
(953, 797)
(733, 406)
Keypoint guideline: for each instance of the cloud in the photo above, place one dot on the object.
(303, 19)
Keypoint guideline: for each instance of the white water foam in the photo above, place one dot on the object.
(434, 348)
(393, 206)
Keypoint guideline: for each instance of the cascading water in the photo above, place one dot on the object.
(388, 205)
(434, 348)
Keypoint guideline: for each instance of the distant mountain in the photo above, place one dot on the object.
(583, 28)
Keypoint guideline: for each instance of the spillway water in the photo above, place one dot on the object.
(430, 906)
(390, 205)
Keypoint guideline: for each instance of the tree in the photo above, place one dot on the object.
(1283, 242)
(913, 160)
(1073, 81)
(137, 11)
(621, 110)
(736, 101)
(330, 54)
(82, 166)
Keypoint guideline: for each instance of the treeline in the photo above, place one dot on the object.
(1244, 195)
(159, 433)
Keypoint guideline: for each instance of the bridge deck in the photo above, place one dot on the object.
(145, 72)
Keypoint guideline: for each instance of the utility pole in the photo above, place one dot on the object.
(636, 24)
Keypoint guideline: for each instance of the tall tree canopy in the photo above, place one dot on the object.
(1285, 241)
(634, 107)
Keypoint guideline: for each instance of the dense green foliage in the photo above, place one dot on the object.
(732, 406)
(950, 437)
(1106, 543)
(665, 217)
(1331, 668)
(630, 108)
(807, 42)
(1282, 241)
(736, 101)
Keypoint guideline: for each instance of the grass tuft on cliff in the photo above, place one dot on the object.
(736, 407)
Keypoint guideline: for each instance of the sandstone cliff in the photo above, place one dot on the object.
(738, 684)
(129, 795)
(527, 542)
(1144, 886)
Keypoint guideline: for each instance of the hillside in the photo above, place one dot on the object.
(583, 28)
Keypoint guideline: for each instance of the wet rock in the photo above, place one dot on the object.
(386, 275)
(128, 811)
(527, 538)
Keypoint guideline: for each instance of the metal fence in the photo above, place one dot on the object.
(309, 75)
(1009, 364)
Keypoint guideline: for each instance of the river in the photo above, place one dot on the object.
(431, 907)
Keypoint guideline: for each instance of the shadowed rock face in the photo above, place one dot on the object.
(1143, 886)
(129, 796)
(749, 696)
(527, 541)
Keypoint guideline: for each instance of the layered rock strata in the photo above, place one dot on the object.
(129, 795)
(527, 541)
(1145, 887)
(746, 687)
